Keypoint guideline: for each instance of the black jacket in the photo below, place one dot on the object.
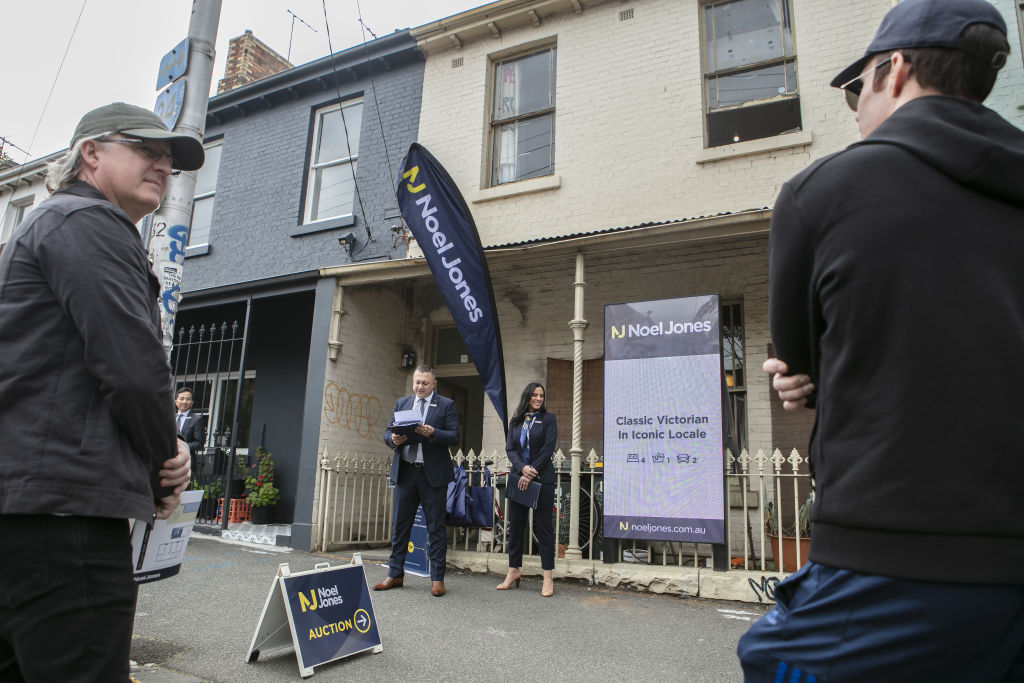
(193, 431)
(85, 387)
(543, 439)
(897, 283)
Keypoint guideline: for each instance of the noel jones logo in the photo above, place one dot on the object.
(659, 329)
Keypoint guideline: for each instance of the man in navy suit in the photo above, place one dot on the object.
(420, 471)
(191, 426)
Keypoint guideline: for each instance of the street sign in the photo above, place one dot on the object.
(173, 65)
(168, 104)
(327, 611)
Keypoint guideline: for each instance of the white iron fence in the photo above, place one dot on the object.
(766, 495)
(354, 505)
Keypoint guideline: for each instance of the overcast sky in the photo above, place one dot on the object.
(115, 51)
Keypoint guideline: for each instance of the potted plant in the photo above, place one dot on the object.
(239, 474)
(260, 491)
(213, 494)
(784, 540)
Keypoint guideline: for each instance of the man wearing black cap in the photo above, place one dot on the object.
(897, 300)
(88, 433)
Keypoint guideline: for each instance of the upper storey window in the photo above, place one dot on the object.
(523, 117)
(750, 87)
(331, 184)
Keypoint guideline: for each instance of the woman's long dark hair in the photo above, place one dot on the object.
(524, 403)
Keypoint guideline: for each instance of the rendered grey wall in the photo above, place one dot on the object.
(279, 351)
(259, 197)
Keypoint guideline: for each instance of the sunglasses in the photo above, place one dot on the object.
(853, 86)
(151, 152)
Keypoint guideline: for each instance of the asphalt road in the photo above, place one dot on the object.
(199, 624)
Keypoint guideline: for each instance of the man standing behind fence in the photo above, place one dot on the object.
(87, 429)
(421, 470)
(897, 310)
(191, 425)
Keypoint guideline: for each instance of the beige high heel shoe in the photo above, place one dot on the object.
(548, 589)
(507, 583)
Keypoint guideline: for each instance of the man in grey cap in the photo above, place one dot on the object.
(897, 292)
(88, 433)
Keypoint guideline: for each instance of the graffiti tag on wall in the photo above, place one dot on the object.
(765, 589)
(357, 412)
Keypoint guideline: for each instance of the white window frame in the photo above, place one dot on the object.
(210, 195)
(214, 403)
(499, 122)
(1020, 26)
(15, 212)
(311, 212)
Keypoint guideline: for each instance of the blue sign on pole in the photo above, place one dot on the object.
(328, 613)
(168, 104)
(173, 65)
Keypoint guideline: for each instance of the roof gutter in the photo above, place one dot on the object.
(741, 224)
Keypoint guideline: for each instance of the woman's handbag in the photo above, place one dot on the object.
(457, 500)
(469, 506)
(481, 502)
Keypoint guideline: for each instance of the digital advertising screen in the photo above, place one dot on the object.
(663, 433)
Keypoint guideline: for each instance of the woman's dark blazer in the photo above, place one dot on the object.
(543, 437)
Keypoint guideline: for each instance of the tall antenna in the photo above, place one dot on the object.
(292, 32)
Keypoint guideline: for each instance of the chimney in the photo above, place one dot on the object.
(249, 59)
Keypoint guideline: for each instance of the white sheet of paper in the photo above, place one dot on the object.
(157, 551)
(404, 418)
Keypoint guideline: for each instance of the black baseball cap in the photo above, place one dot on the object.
(128, 119)
(928, 23)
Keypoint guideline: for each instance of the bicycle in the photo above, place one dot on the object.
(591, 528)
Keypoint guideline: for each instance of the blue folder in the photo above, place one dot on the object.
(528, 497)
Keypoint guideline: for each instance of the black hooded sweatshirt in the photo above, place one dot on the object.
(897, 284)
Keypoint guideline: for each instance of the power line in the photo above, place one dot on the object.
(57, 76)
(373, 89)
(39, 123)
(6, 142)
(344, 123)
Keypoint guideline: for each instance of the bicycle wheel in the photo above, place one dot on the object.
(588, 518)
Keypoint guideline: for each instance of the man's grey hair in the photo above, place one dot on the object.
(62, 172)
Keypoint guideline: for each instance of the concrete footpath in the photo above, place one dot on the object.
(198, 625)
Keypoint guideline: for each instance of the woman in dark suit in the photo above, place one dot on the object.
(532, 434)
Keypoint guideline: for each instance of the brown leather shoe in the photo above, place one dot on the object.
(437, 588)
(389, 583)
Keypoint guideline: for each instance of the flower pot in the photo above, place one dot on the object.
(262, 514)
(787, 560)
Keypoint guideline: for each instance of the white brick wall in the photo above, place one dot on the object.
(361, 386)
(629, 123)
(1007, 96)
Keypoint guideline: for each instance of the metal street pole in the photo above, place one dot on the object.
(169, 228)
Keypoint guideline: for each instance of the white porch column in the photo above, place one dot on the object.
(578, 325)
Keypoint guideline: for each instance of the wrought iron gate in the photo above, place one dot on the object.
(210, 361)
